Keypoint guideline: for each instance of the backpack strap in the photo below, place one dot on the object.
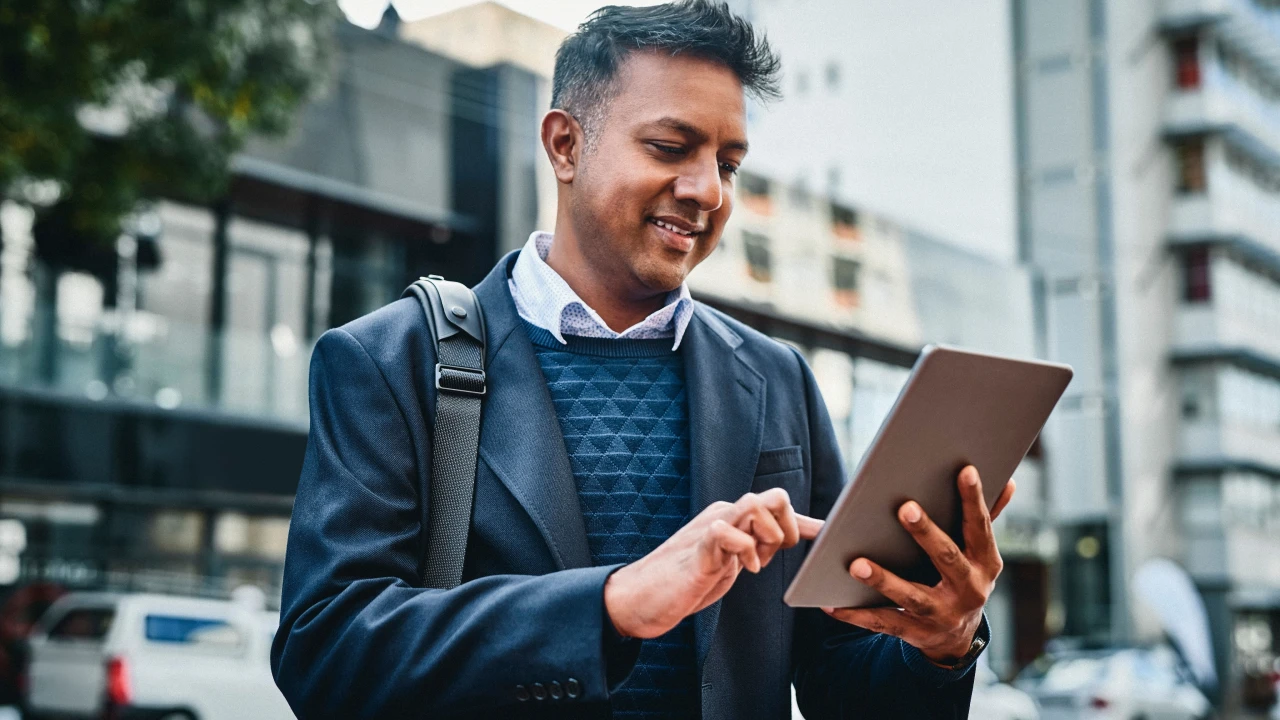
(457, 331)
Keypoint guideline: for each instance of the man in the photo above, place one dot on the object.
(638, 452)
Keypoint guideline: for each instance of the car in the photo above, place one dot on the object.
(995, 700)
(1139, 683)
(152, 656)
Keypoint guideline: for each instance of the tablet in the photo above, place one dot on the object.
(957, 408)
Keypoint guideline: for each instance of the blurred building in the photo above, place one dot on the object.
(860, 293)
(1149, 148)
(152, 424)
(487, 34)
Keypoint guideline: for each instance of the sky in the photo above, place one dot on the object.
(566, 14)
(921, 127)
(927, 139)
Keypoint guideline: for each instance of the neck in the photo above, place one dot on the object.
(601, 288)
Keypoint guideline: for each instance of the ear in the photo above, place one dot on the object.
(563, 140)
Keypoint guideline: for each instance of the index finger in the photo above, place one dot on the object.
(779, 503)
(809, 527)
(978, 540)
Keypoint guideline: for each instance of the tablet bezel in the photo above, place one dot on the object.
(1005, 402)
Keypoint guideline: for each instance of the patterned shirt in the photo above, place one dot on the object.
(544, 299)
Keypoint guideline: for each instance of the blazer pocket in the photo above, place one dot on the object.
(779, 460)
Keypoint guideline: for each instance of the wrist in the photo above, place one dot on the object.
(953, 655)
(616, 605)
(945, 657)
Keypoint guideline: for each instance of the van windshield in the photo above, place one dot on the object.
(83, 624)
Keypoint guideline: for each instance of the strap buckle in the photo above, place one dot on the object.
(461, 380)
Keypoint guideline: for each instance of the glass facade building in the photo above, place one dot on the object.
(153, 422)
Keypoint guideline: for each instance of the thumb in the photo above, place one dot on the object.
(809, 527)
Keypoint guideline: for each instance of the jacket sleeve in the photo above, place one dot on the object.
(358, 637)
(845, 672)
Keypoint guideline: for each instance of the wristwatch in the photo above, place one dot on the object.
(975, 649)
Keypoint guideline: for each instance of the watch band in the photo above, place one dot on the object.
(975, 649)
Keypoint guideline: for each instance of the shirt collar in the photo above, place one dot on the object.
(544, 299)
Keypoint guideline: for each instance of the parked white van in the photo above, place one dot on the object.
(151, 657)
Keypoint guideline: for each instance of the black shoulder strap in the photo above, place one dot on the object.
(457, 328)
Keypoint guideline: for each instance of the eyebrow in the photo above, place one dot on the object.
(685, 128)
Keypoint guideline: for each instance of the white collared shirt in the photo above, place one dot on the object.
(544, 299)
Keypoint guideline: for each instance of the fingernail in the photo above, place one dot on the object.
(911, 512)
(828, 610)
(861, 569)
(971, 477)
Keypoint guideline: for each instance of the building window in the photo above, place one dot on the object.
(844, 279)
(844, 221)
(759, 262)
(1191, 171)
(799, 194)
(1186, 60)
(1195, 274)
(755, 193)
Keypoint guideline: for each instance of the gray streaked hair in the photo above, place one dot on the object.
(588, 60)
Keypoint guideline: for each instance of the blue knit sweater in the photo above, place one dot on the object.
(625, 419)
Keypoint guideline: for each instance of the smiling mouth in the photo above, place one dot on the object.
(677, 230)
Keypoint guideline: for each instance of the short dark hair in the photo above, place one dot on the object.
(588, 60)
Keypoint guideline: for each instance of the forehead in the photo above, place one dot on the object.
(703, 93)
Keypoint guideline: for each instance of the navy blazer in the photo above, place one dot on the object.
(360, 637)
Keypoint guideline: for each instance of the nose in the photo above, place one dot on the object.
(700, 183)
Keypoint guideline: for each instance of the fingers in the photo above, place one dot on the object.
(723, 539)
(978, 540)
(768, 517)
(882, 620)
(755, 518)
(912, 597)
(1005, 496)
(950, 561)
(778, 503)
(809, 527)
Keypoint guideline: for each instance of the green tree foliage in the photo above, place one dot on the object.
(113, 102)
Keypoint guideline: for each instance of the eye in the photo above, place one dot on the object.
(729, 168)
(668, 149)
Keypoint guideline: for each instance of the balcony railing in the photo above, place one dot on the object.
(1205, 328)
(1215, 440)
(1246, 24)
(1231, 207)
(156, 361)
(1224, 104)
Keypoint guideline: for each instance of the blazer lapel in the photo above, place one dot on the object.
(726, 408)
(520, 436)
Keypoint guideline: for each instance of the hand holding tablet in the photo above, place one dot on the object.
(945, 615)
(912, 530)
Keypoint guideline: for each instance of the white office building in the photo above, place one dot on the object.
(1149, 208)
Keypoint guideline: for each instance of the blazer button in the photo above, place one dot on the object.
(522, 694)
(572, 688)
(557, 692)
(539, 691)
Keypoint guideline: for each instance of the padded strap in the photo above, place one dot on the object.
(457, 326)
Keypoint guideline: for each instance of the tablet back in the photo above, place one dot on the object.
(957, 408)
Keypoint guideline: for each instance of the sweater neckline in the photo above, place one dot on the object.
(602, 347)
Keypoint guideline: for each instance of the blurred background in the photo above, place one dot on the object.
(191, 193)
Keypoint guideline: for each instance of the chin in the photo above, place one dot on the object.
(662, 275)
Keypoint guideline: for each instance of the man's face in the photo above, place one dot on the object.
(654, 191)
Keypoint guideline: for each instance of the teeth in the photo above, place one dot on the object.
(671, 227)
